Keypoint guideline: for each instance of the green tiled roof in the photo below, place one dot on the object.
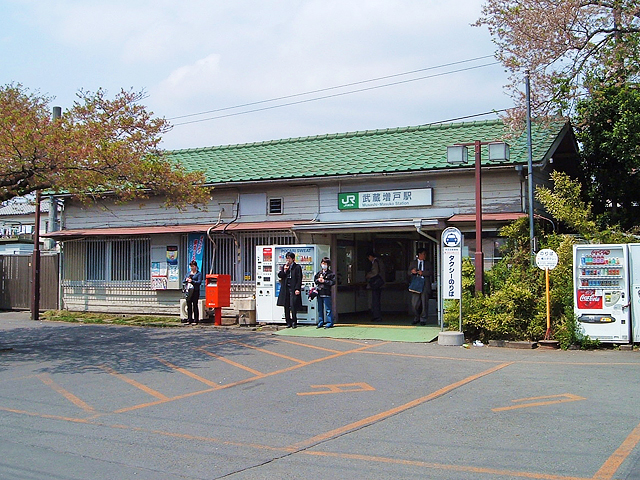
(404, 149)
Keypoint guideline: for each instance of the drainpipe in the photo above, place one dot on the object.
(215, 246)
(237, 265)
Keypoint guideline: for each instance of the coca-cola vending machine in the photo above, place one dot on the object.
(601, 279)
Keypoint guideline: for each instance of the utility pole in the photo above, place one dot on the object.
(35, 263)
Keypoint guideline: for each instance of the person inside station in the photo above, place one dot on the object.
(375, 282)
(420, 266)
(324, 280)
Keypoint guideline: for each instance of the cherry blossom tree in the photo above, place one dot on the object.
(565, 45)
(100, 147)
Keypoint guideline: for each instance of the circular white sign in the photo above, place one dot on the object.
(451, 237)
(547, 259)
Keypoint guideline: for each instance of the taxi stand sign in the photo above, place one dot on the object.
(452, 266)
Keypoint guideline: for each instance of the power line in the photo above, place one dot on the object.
(492, 112)
(331, 88)
(327, 96)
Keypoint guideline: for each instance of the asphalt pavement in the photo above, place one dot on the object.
(102, 402)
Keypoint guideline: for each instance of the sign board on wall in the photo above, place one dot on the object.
(164, 267)
(418, 197)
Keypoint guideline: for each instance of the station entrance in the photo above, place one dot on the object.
(395, 251)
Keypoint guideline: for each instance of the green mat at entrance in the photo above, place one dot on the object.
(389, 333)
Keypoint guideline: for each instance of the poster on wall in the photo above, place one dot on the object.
(158, 283)
(195, 249)
(173, 271)
(158, 275)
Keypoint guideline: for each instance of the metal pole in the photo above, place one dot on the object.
(35, 264)
(547, 336)
(530, 169)
(479, 258)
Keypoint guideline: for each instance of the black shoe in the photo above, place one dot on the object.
(415, 322)
(294, 326)
(423, 323)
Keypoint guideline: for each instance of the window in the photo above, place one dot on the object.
(275, 205)
(107, 260)
(96, 260)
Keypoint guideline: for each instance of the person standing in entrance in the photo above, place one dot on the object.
(194, 278)
(289, 297)
(375, 282)
(324, 280)
(420, 301)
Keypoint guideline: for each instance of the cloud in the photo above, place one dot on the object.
(202, 55)
(193, 80)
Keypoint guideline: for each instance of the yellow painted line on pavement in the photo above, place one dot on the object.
(269, 352)
(353, 342)
(283, 340)
(242, 382)
(610, 467)
(562, 398)
(44, 378)
(47, 416)
(230, 362)
(134, 383)
(187, 373)
(435, 357)
(442, 466)
(382, 415)
(340, 388)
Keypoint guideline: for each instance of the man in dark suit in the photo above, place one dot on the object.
(290, 297)
(420, 301)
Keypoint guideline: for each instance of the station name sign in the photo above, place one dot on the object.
(419, 197)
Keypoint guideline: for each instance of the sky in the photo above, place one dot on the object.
(231, 58)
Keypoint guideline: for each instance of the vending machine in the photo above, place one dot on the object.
(601, 279)
(634, 289)
(269, 260)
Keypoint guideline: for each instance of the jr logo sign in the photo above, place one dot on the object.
(347, 201)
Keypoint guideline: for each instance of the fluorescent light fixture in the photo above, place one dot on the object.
(499, 152)
(457, 154)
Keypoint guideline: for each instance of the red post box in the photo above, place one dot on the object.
(217, 289)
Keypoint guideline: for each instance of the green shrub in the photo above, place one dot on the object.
(513, 304)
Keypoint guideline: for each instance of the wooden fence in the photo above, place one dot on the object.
(15, 282)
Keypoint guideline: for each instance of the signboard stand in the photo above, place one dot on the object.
(547, 259)
(452, 281)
